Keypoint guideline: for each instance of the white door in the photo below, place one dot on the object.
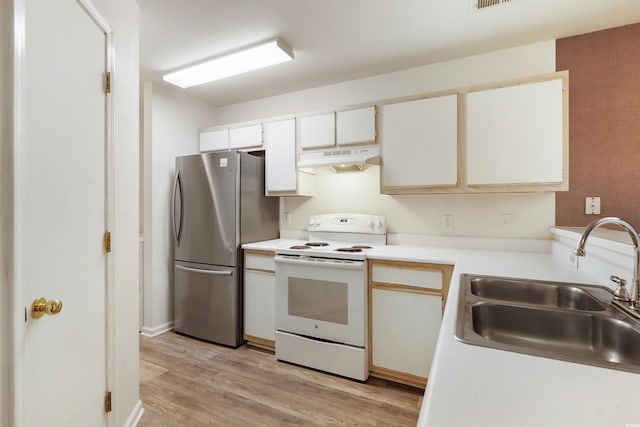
(62, 216)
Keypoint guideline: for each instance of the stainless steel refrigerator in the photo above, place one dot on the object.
(218, 204)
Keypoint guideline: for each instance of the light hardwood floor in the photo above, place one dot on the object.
(186, 382)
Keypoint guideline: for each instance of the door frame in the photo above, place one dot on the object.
(11, 395)
(7, 146)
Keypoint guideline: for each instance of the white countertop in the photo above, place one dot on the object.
(477, 386)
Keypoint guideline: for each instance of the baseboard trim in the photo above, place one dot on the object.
(135, 416)
(156, 330)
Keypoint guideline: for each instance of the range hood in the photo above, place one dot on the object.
(341, 159)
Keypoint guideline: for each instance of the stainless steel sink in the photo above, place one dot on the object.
(565, 321)
(531, 292)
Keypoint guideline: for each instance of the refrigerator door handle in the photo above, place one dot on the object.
(177, 228)
(199, 270)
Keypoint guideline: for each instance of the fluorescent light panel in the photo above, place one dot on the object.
(253, 58)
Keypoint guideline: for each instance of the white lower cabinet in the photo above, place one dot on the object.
(406, 304)
(259, 303)
(404, 329)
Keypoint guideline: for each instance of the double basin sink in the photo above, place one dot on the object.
(557, 320)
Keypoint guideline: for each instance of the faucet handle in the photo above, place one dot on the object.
(621, 293)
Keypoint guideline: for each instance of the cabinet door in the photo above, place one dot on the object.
(404, 331)
(318, 131)
(420, 143)
(245, 137)
(515, 134)
(259, 305)
(214, 140)
(280, 156)
(356, 126)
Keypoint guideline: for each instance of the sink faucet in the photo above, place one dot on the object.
(634, 303)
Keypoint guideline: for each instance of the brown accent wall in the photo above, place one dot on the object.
(604, 124)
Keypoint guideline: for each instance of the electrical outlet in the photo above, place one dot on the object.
(447, 222)
(286, 218)
(592, 205)
(506, 219)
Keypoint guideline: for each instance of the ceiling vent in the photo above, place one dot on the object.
(482, 4)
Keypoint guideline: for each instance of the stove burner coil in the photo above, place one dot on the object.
(300, 247)
(349, 250)
(317, 244)
(361, 247)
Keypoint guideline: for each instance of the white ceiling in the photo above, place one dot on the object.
(339, 40)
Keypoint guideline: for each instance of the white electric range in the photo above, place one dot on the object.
(321, 294)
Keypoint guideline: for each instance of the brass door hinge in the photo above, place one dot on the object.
(107, 402)
(107, 241)
(107, 82)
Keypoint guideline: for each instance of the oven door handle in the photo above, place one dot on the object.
(320, 262)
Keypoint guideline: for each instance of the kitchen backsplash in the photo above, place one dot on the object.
(514, 215)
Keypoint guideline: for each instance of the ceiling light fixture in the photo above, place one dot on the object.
(252, 58)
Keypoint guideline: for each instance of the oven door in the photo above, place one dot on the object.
(322, 298)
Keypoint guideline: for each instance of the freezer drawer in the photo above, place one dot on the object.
(207, 303)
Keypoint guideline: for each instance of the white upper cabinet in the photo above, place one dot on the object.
(356, 126)
(516, 134)
(499, 137)
(235, 138)
(420, 143)
(214, 140)
(503, 137)
(281, 176)
(280, 156)
(318, 131)
(245, 137)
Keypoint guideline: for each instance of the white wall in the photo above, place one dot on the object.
(474, 215)
(171, 128)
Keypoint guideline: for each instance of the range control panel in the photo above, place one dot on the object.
(348, 223)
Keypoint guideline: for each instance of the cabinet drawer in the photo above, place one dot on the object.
(422, 278)
(259, 261)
